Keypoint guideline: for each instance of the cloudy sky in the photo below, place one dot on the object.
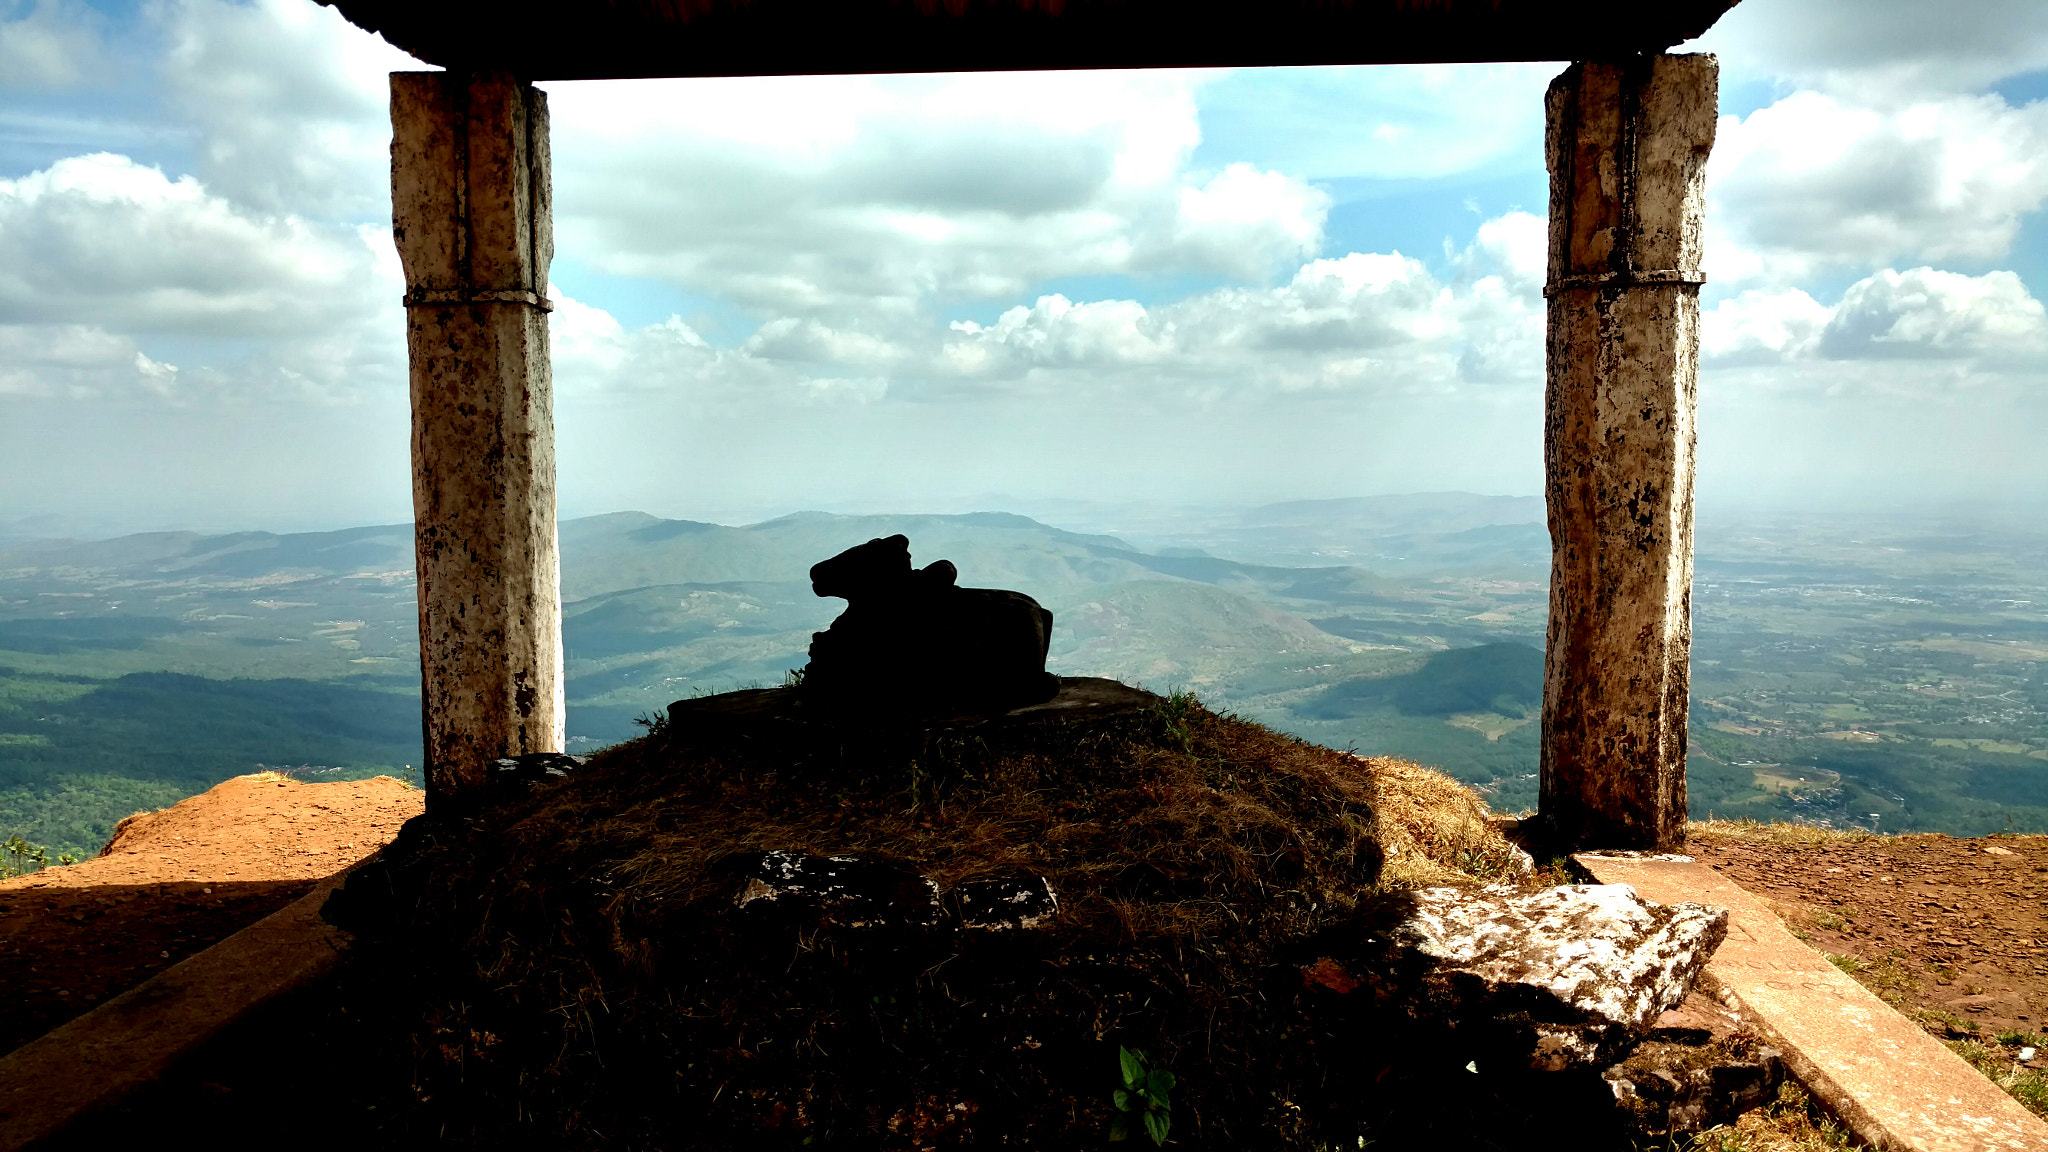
(952, 292)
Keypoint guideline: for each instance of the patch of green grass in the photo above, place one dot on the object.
(1940, 1021)
(1998, 1065)
(1890, 980)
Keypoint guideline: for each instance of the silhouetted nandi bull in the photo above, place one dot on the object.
(910, 638)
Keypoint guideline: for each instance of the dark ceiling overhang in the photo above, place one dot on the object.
(613, 39)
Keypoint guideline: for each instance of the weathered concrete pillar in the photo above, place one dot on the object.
(470, 210)
(1627, 147)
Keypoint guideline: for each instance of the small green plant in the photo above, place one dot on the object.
(1177, 710)
(1849, 964)
(18, 857)
(1143, 1095)
(794, 677)
(2018, 1039)
(1829, 921)
(656, 723)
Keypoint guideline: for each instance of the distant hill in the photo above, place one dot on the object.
(1174, 634)
(1914, 653)
(603, 554)
(1418, 532)
(1498, 678)
(237, 555)
(1407, 514)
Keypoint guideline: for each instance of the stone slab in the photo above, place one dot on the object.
(102, 1056)
(1893, 1085)
(1080, 699)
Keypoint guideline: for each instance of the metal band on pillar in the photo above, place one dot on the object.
(434, 297)
(1608, 281)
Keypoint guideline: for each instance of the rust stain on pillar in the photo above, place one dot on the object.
(1627, 148)
(470, 211)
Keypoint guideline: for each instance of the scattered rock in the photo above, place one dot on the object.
(1701, 1066)
(534, 767)
(1556, 978)
(996, 905)
(1670, 1089)
(852, 891)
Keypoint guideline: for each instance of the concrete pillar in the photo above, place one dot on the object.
(470, 211)
(1627, 148)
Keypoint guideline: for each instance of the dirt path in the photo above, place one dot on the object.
(1953, 933)
(174, 882)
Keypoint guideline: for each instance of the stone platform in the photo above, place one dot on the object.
(786, 710)
(1893, 1085)
(134, 1039)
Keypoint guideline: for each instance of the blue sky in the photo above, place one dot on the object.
(953, 292)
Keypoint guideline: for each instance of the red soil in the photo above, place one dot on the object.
(1952, 932)
(174, 882)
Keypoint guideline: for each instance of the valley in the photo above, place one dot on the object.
(1856, 672)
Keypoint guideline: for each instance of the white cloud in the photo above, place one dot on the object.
(1814, 183)
(1421, 122)
(1920, 314)
(1924, 313)
(836, 198)
(1882, 49)
(292, 103)
(105, 241)
(46, 44)
(1365, 324)
(1759, 327)
(786, 363)
(64, 360)
(1518, 243)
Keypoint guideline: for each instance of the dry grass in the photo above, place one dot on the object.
(1786, 835)
(577, 972)
(1794, 1124)
(1435, 830)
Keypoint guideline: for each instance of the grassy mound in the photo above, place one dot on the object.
(574, 967)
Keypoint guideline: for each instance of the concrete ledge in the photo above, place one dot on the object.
(102, 1056)
(1893, 1085)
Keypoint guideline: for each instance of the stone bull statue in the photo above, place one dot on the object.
(911, 638)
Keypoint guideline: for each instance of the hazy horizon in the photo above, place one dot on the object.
(1164, 520)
